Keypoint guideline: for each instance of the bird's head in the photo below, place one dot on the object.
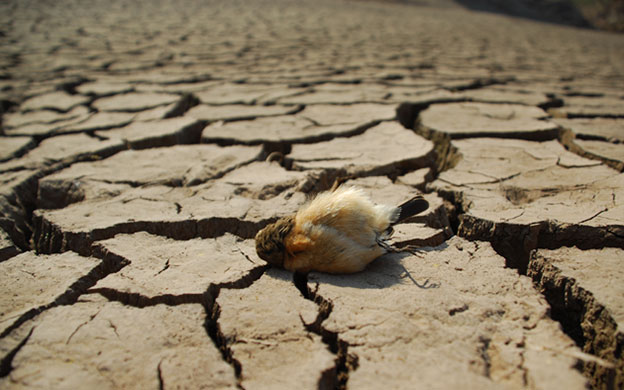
(270, 241)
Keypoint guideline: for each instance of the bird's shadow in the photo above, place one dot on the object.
(386, 271)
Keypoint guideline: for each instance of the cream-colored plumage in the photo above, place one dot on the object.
(339, 231)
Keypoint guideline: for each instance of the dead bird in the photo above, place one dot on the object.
(339, 231)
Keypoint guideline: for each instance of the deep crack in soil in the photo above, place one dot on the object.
(213, 312)
(345, 362)
(516, 242)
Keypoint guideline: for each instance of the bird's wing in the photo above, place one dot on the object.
(349, 211)
(328, 250)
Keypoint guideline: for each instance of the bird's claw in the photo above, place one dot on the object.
(425, 286)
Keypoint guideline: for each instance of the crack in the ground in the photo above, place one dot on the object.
(521, 365)
(593, 216)
(49, 121)
(213, 313)
(294, 110)
(482, 82)
(575, 308)
(514, 242)
(165, 267)
(114, 327)
(159, 374)
(567, 139)
(208, 299)
(6, 364)
(186, 102)
(140, 301)
(50, 238)
(16, 219)
(21, 151)
(92, 134)
(108, 265)
(553, 102)
(285, 146)
(570, 115)
(345, 362)
(91, 318)
(174, 182)
(19, 225)
(245, 255)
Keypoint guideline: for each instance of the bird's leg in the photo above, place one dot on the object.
(425, 285)
(387, 247)
(414, 250)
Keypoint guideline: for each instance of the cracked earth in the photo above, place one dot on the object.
(144, 144)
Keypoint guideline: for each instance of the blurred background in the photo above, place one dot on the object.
(600, 14)
(603, 14)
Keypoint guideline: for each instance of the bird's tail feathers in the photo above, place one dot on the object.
(414, 206)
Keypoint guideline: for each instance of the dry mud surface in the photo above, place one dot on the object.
(143, 145)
